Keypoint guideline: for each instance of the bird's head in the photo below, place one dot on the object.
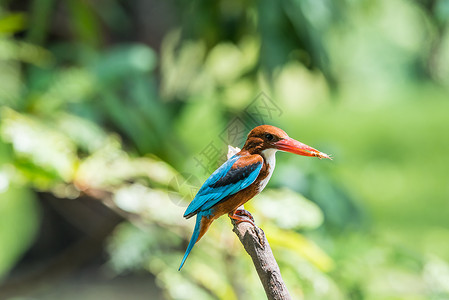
(267, 137)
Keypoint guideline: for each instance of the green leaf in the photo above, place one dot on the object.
(34, 140)
(299, 244)
(85, 23)
(40, 18)
(18, 225)
(12, 23)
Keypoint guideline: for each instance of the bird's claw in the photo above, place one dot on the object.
(242, 215)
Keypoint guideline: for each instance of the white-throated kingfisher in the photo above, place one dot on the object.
(240, 178)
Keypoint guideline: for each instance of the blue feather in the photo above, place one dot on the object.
(222, 183)
(193, 239)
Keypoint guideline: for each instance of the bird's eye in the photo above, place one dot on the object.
(269, 137)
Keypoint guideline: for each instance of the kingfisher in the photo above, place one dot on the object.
(240, 178)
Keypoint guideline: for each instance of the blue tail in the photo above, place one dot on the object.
(193, 239)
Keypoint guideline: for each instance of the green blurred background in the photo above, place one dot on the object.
(114, 112)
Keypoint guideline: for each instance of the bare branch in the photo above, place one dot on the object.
(255, 243)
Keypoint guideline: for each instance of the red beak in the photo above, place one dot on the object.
(293, 146)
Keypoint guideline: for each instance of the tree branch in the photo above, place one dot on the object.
(255, 243)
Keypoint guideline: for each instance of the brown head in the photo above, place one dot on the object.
(269, 137)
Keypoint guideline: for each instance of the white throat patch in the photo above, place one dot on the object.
(270, 158)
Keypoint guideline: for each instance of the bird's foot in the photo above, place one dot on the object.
(242, 215)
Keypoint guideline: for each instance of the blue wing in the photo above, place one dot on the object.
(225, 181)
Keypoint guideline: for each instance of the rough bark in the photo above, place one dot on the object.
(255, 243)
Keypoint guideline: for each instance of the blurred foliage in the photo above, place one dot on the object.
(92, 104)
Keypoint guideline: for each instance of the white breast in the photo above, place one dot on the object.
(270, 159)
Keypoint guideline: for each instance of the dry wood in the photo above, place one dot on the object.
(255, 243)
